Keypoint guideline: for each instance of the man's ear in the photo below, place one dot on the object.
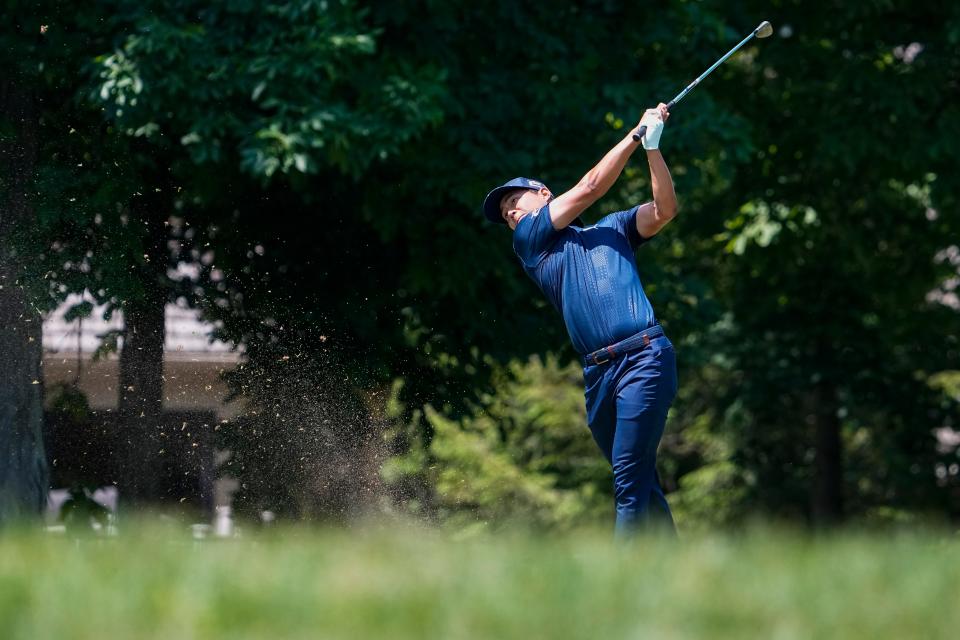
(546, 192)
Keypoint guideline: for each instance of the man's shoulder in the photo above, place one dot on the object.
(534, 228)
(534, 252)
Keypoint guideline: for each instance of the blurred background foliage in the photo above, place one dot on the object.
(319, 167)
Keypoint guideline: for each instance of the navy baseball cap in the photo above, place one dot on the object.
(491, 204)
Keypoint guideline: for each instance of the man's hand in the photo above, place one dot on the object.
(653, 120)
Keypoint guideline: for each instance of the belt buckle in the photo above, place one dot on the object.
(607, 352)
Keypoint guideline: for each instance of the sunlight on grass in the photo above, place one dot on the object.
(407, 582)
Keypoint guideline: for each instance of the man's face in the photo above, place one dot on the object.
(519, 203)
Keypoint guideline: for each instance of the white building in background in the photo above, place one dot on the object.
(192, 362)
(192, 368)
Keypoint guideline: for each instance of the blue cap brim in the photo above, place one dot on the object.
(491, 204)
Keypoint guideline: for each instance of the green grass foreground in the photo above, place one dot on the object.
(400, 582)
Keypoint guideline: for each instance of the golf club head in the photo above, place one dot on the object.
(764, 30)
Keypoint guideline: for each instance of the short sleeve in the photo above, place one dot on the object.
(534, 236)
(625, 222)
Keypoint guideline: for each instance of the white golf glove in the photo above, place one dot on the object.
(651, 139)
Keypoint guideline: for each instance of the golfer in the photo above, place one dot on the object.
(590, 275)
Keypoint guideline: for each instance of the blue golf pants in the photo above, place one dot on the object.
(627, 402)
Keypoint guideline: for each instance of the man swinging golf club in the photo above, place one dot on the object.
(590, 276)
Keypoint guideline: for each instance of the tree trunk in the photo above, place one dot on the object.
(827, 496)
(23, 468)
(140, 401)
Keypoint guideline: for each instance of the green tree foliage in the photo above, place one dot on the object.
(523, 455)
(194, 94)
(301, 86)
(828, 256)
(269, 115)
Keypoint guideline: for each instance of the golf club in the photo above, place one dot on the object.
(762, 31)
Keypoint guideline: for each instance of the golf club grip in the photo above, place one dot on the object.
(643, 129)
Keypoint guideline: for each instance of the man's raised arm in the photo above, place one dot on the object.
(652, 216)
(566, 207)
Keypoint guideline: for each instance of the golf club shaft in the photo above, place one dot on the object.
(643, 129)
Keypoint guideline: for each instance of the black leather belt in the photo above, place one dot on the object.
(626, 345)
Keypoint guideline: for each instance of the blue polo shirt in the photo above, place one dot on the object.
(589, 275)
